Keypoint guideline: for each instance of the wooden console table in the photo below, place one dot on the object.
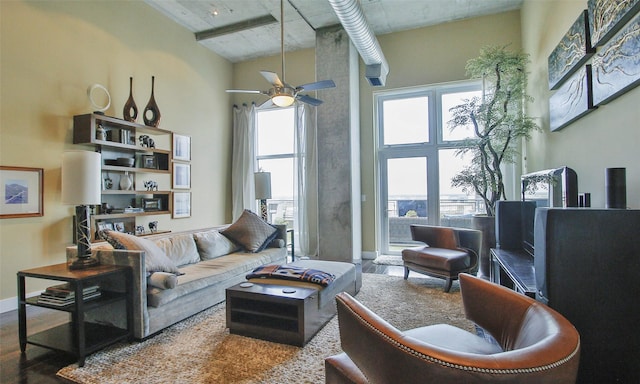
(513, 269)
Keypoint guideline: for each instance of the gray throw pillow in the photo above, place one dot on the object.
(212, 244)
(251, 232)
(162, 280)
(155, 259)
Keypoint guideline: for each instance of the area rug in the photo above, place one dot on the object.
(201, 350)
(388, 260)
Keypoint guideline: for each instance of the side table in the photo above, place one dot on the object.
(77, 337)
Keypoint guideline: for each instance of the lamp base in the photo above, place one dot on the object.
(84, 263)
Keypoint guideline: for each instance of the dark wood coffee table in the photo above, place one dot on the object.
(284, 314)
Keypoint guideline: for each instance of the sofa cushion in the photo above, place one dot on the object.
(251, 232)
(162, 280)
(155, 259)
(180, 248)
(212, 244)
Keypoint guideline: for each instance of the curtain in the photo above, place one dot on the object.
(243, 159)
(306, 179)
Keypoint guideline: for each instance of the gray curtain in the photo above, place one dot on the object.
(243, 159)
(306, 178)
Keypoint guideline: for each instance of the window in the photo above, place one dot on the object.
(275, 151)
(416, 161)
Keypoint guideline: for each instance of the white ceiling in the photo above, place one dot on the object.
(303, 17)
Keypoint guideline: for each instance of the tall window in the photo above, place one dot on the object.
(416, 161)
(275, 151)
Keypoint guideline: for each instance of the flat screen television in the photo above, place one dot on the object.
(556, 187)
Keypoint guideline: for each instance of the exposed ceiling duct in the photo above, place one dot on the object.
(352, 19)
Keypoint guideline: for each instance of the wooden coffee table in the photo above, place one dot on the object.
(284, 314)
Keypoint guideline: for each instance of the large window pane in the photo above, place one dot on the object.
(275, 131)
(281, 203)
(406, 121)
(456, 206)
(450, 100)
(407, 198)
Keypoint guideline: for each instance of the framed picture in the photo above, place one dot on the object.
(181, 147)
(149, 161)
(153, 204)
(21, 192)
(181, 176)
(181, 205)
(118, 226)
(104, 225)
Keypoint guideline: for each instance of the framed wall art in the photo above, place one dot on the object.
(181, 205)
(571, 52)
(21, 192)
(606, 17)
(181, 176)
(572, 101)
(181, 147)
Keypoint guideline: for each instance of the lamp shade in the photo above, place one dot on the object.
(263, 185)
(81, 178)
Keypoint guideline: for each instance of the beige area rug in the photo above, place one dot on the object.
(201, 350)
(388, 260)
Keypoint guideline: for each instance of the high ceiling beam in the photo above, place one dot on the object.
(237, 27)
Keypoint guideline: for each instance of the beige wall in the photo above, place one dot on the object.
(51, 53)
(607, 137)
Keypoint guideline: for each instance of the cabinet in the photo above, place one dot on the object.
(78, 336)
(133, 152)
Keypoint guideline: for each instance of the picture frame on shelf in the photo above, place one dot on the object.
(181, 176)
(181, 205)
(181, 147)
(149, 161)
(152, 204)
(22, 192)
(118, 226)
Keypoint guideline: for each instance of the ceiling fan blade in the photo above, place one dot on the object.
(272, 78)
(317, 85)
(243, 91)
(309, 100)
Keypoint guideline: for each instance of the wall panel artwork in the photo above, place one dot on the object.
(571, 53)
(606, 17)
(616, 66)
(572, 101)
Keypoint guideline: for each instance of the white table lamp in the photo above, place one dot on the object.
(81, 187)
(263, 191)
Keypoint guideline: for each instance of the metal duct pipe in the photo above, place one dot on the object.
(352, 19)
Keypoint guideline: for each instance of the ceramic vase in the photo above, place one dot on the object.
(126, 182)
(130, 112)
(151, 113)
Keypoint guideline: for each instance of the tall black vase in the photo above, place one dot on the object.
(151, 109)
(487, 225)
(130, 112)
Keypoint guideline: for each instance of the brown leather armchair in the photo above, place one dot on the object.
(536, 344)
(447, 252)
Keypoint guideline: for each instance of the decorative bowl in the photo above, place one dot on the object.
(125, 161)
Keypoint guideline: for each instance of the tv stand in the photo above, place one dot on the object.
(513, 269)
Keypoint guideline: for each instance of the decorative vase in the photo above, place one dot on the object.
(152, 108)
(101, 133)
(130, 112)
(126, 182)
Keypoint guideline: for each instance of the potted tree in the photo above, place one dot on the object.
(499, 123)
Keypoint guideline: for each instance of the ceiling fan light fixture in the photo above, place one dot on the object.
(283, 97)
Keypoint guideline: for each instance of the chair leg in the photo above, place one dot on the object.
(447, 285)
(406, 273)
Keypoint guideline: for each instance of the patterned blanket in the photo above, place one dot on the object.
(291, 272)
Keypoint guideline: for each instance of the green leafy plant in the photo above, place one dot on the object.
(497, 119)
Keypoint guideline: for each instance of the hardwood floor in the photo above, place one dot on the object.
(39, 365)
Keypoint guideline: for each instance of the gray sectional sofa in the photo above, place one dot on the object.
(203, 263)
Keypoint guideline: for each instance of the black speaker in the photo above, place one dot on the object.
(615, 184)
(508, 224)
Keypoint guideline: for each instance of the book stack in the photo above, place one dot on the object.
(63, 294)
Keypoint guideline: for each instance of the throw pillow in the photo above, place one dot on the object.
(212, 244)
(251, 232)
(155, 259)
(180, 248)
(162, 280)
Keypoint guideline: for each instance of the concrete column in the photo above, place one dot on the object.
(338, 140)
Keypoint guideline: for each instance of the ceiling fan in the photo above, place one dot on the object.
(283, 94)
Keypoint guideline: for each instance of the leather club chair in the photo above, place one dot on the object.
(447, 252)
(536, 344)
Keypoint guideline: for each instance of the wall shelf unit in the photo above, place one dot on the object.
(130, 151)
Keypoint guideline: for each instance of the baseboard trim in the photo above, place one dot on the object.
(369, 255)
(11, 303)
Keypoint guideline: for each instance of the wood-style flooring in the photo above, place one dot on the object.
(39, 365)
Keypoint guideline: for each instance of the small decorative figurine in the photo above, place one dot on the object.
(153, 226)
(146, 142)
(151, 185)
